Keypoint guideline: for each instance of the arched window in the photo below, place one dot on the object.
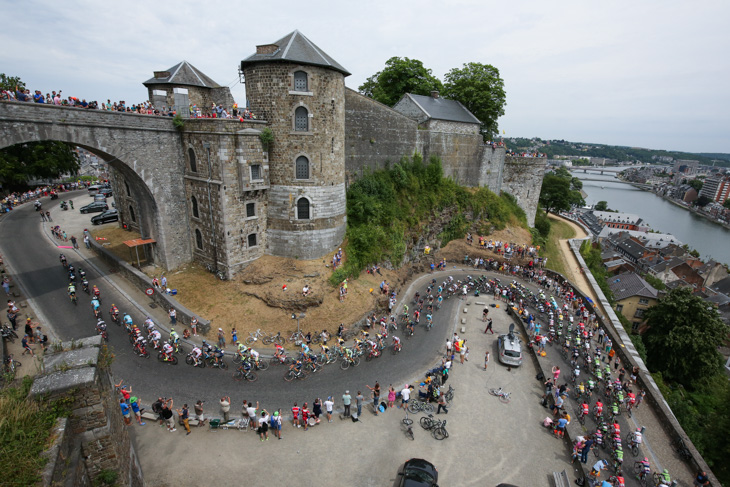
(302, 168)
(198, 239)
(300, 81)
(194, 201)
(303, 209)
(193, 164)
(252, 240)
(301, 120)
(131, 214)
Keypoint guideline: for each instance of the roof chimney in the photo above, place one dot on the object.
(266, 49)
(434, 94)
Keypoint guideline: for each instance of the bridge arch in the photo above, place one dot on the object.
(144, 154)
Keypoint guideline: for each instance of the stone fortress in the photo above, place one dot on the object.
(244, 200)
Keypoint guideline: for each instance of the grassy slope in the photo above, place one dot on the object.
(559, 230)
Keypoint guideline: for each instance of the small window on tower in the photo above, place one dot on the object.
(301, 120)
(300, 81)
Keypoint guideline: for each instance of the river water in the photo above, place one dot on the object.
(710, 240)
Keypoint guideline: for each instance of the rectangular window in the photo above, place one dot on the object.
(619, 307)
(635, 326)
(639, 313)
(250, 210)
(643, 301)
(256, 172)
(252, 240)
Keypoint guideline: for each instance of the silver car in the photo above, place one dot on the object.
(510, 348)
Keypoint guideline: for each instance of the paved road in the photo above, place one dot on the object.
(27, 244)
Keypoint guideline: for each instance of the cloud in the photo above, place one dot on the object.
(649, 73)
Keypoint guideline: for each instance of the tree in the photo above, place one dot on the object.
(703, 201)
(480, 89)
(696, 184)
(601, 206)
(726, 204)
(556, 194)
(43, 160)
(683, 334)
(10, 82)
(400, 76)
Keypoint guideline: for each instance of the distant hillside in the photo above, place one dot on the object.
(621, 153)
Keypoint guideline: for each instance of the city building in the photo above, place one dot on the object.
(633, 296)
(623, 221)
(716, 188)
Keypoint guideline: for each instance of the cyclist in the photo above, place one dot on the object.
(63, 260)
(280, 353)
(630, 400)
(97, 293)
(95, 304)
(167, 351)
(139, 344)
(149, 324)
(664, 478)
(114, 311)
(396, 343)
(174, 337)
(218, 354)
(207, 349)
(100, 326)
(584, 409)
(72, 290)
(596, 469)
(598, 409)
(196, 353)
(636, 438)
(85, 285)
(155, 337)
(645, 469)
(127, 319)
(429, 320)
(254, 355)
(82, 274)
(410, 327)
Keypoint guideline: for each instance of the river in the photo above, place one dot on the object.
(709, 239)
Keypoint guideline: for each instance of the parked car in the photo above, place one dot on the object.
(94, 207)
(418, 472)
(510, 348)
(105, 217)
(106, 192)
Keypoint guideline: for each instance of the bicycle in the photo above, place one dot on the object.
(439, 432)
(269, 339)
(502, 395)
(408, 422)
(632, 447)
(245, 373)
(642, 472)
(11, 366)
(429, 422)
(254, 336)
(163, 358)
(216, 362)
(347, 361)
(295, 373)
(416, 406)
(682, 449)
(190, 360)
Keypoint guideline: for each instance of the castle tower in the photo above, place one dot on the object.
(300, 91)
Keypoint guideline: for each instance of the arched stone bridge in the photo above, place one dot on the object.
(145, 149)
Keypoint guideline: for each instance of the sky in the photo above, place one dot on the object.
(651, 74)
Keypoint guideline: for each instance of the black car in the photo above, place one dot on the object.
(105, 217)
(106, 192)
(94, 207)
(418, 473)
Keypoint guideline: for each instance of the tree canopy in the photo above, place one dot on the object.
(560, 191)
(477, 86)
(44, 160)
(683, 334)
(400, 76)
(696, 184)
(726, 204)
(10, 82)
(480, 89)
(601, 206)
(703, 201)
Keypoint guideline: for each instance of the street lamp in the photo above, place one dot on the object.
(294, 316)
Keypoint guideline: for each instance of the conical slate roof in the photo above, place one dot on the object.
(183, 73)
(294, 48)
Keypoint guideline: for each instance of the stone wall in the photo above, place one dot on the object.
(375, 135)
(95, 427)
(523, 180)
(146, 149)
(271, 94)
(197, 95)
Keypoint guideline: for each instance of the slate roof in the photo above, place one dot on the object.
(722, 286)
(184, 73)
(629, 284)
(628, 247)
(296, 48)
(649, 240)
(667, 264)
(443, 109)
